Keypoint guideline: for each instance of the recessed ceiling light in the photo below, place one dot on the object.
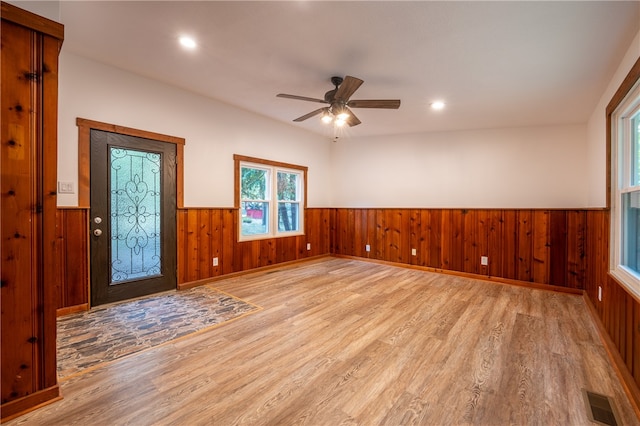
(437, 105)
(188, 42)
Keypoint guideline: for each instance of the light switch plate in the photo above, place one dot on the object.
(65, 188)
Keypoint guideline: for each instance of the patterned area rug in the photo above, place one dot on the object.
(89, 339)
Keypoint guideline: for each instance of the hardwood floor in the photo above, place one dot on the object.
(342, 341)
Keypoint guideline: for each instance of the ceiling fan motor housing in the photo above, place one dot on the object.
(330, 95)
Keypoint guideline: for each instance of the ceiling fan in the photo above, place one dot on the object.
(338, 100)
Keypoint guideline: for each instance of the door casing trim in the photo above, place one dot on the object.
(84, 156)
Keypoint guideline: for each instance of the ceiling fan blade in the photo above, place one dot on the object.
(375, 103)
(311, 114)
(347, 88)
(352, 120)
(301, 98)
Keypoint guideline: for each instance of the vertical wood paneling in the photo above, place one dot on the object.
(349, 243)
(540, 255)
(404, 235)
(379, 242)
(576, 249)
(371, 232)
(394, 220)
(181, 238)
(418, 238)
(335, 225)
(558, 249)
(312, 226)
(424, 249)
(456, 254)
(341, 231)
(445, 243)
(471, 260)
(216, 237)
(525, 245)
(207, 233)
(628, 331)
(205, 260)
(229, 231)
(435, 239)
(510, 251)
(73, 257)
(597, 225)
(20, 233)
(634, 363)
(495, 243)
(359, 232)
(482, 240)
(193, 239)
(30, 243)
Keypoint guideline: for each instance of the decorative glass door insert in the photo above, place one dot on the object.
(135, 214)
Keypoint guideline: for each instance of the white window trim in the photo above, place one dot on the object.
(274, 168)
(620, 184)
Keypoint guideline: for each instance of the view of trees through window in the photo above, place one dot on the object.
(255, 204)
(631, 203)
(287, 205)
(258, 205)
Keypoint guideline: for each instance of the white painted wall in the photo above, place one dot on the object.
(543, 167)
(213, 131)
(596, 130)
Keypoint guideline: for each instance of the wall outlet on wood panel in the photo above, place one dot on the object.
(599, 294)
(308, 246)
(484, 260)
(413, 252)
(367, 247)
(215, 261)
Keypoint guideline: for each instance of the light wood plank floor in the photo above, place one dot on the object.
(341, 341)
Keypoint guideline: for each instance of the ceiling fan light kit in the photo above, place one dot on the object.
(338, 111)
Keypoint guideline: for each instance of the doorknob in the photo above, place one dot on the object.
(97, 232)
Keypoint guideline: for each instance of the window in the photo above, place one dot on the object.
(270, 198)
(625, 193)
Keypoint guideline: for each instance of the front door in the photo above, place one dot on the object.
(133, 217)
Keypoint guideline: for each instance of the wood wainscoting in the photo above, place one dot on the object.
(205, 233)
(72, 247)
(566, 248)
(538, 246)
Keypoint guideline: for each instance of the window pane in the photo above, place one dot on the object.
(635, 150)
(135, 214)
(253, 184)
(631, 230)
(287, 186)
(255, 218)
(288, 217)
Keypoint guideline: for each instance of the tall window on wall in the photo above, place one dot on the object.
(625, 192)
(270, 197)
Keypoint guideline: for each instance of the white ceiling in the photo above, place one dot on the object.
(495, 64)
